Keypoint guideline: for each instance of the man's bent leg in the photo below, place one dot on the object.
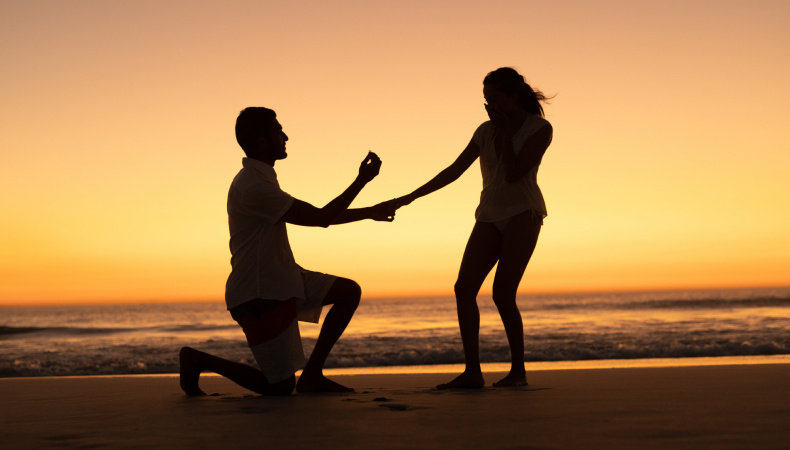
(194, 361)
(344, 296)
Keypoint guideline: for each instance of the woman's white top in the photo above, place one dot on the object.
(499, 199)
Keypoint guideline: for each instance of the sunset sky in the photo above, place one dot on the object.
(669, 166)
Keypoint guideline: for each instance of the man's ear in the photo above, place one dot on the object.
(261, 145)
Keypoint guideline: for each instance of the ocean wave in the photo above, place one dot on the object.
(7, 332)
(664, 304)
(376, 351)
(145, 339)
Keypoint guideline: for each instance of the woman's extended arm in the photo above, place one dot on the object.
(446, 176)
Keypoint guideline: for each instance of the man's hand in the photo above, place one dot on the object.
(384, 211)
(369, 168)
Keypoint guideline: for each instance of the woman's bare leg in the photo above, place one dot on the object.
(481, 254)
(194, 361)
(518, 243)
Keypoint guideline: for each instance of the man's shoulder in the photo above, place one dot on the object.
(252, 185)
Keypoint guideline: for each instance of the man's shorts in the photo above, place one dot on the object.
(272, 330)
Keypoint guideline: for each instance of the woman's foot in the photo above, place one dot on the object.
(189, 372)
(467, 380)
(319, 383)
(513, 379)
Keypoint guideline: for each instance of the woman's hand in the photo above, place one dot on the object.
(384, 211)
(500, 120)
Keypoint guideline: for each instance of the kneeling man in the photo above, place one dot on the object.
(267, 291)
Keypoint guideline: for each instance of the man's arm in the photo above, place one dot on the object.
(303, 213)
(383, 212)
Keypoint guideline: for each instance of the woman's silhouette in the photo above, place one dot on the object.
(508, 219)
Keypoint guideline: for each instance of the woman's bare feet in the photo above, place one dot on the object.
(513, 379)
(189, 372)
(467, 380)
(319, 383)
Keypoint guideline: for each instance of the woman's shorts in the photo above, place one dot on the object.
(533, 217)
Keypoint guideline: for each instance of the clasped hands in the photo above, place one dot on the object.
(384, 211)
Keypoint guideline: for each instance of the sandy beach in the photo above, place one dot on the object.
(738, 406)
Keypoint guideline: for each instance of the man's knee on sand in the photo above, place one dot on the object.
(285, 387)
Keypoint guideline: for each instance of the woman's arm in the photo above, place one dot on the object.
(529, 156)
(446, 176)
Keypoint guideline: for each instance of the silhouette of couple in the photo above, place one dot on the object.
(267, 292)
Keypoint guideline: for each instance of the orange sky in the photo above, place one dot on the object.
(667, 170)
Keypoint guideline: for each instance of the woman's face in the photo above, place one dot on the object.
(499, 101)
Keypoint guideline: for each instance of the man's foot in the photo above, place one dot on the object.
(467, 380)
(319, 383)
(189, 372)
(512, 380)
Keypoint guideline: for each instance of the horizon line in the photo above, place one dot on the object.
(378, 296)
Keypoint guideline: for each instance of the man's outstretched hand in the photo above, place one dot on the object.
(369, 168)
(384, 211)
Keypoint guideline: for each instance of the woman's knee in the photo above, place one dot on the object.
(465, 292)
(504, 297)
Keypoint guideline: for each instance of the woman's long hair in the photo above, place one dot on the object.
(509, 81)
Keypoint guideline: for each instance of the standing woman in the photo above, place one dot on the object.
(508, 219)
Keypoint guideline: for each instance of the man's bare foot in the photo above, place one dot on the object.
(512, 379)
(319, 383)
(467, 380)
(189, 372)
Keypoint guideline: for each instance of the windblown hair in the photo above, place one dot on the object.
(252, 123)
(509, 81)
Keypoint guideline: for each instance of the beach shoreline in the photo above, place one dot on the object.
(696, 406)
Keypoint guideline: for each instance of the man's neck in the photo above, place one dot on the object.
(263, 160)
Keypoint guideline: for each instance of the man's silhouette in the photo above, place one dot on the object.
(267, 291)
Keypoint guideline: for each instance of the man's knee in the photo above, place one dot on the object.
(285, 387)
(355, 290)
(348, 293)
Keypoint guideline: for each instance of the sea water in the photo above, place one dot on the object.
(396, 332)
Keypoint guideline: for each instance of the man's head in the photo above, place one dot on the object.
(260, 135)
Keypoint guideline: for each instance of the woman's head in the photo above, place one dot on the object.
(507, 81)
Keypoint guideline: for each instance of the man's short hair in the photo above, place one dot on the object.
(252, 123)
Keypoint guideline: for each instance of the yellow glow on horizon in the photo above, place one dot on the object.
(667, 170)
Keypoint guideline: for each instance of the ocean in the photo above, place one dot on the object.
(397, 332)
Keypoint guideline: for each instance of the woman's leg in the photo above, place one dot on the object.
(479, 258)
(518, 242)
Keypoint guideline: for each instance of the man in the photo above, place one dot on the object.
(267, 292)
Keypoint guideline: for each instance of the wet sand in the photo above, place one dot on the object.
(738, 406)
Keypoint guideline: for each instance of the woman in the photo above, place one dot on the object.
(508, 219)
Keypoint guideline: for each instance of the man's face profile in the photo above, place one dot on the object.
(273, 142)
